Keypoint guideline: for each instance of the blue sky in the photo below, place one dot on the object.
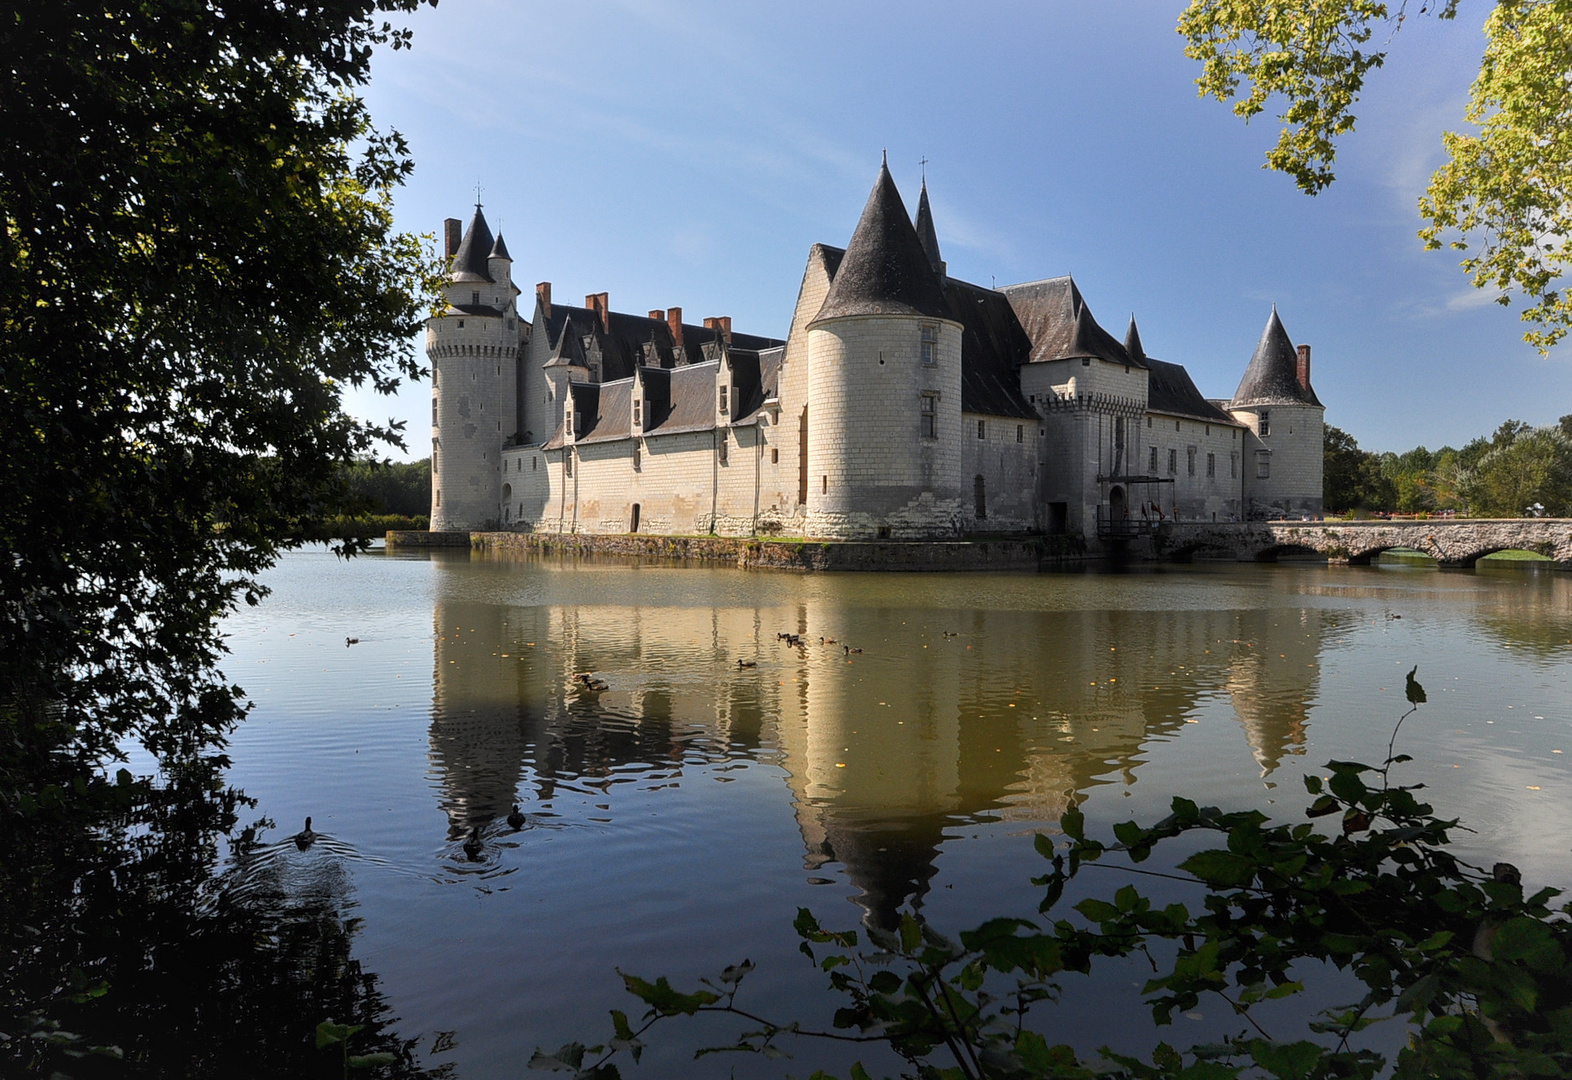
(677, 153)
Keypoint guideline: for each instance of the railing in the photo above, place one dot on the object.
(1121, 527)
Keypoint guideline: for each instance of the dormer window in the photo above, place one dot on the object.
(638, 412)
(930, 343)
(723, 400)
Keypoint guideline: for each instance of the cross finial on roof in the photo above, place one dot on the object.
(478, 190)
(884, 156)
(924, 163)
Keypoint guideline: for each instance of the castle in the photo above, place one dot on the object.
(904, 404)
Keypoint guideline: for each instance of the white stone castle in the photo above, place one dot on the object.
(904, 404)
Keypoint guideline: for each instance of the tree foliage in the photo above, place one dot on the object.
(199, 256)
(1503, 194)
(1351, 477)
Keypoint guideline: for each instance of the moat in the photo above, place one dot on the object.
(677, 818)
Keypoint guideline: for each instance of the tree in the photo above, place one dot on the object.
(1504, 187)
(199, 256)
(1352, 478)
(1523, 467)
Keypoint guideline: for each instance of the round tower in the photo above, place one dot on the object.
(884, 388)
(1283, 454)
(473, 347)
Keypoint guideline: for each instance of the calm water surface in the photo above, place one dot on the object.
(677, 819)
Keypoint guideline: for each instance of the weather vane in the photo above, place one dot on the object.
(478, 190)
(924, 163)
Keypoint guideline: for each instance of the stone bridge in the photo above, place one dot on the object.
(1451, 542)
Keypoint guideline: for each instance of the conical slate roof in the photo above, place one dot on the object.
(885, 271)
(1273, 375)
(1132, 342)
(499, 250)
(469, 262)
(926, 233)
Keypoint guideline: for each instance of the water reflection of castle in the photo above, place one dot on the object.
(1014, 715)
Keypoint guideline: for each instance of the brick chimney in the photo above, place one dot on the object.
(452, 236)
(725, 323)
(543, 297)
(657, 315)
(674, 320)
(600, 304)
(721, 324)
(1304, 367)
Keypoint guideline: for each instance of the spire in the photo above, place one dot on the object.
(926, 233)
(1132, 341)
(885, 271)
(1272, 378)
(469, 262)
(499, 250)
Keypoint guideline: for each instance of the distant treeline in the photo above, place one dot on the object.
(1519, 471)
(378, 497)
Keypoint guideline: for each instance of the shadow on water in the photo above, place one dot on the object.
(133, 948)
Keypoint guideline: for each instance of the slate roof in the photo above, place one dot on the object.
(692, 395)
(926, 234)
(993, 346)
(612, 415)
(1171, 391)
(1132, 342)
(499, 250)
(469, 261)
(1273, 375)
(756, 375)
(885, 271)
(1060, 325)
(621, 342)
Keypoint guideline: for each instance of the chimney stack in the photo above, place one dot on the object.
(674, 321)
(657, 315)
(543, 297)
(452, 236)
(1304, 367)
(725, 322)
(600, 304)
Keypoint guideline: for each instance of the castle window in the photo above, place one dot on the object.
(1190, 462)
(638, 412)
(825, 484)
(1176, 426)
(930, 416)
(1208, 429)
(982, 430)
(1173, 462)
(461, 324)
(1148, 421)
(930, 344)
(638, 459)
(433, 410)
(1086, 361)
(474, 298)
(724, 443)
(439, 496)
(1151, 464)
(1263, 466)
(1020, 432)
(723, 400)
(1266, 423)
(567, 464)
(534, 465)
(1233, 465)
(1211, 464)
(775, 455)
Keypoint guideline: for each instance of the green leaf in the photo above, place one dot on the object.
(1286, 1061)
(1098, 911)
(367, 1061)
(664, 1000)
(568, 1058)
(1044, 845)
(1220, 869)
(331, 1034)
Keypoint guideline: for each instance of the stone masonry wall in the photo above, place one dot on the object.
(870, 467)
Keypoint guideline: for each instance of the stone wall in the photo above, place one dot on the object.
(871, 467)
(1294, 448)
(1202, 490)
(1005, 458)
(1027, 553)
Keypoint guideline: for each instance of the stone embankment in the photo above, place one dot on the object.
(1451, 542)
(1020, 553)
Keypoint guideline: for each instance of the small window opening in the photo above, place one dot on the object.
(723, 400)
(775, 455)
(1020, 432)
(1173, 462)
(1211, 464)
(1266, 423)
(1151, 465)
(982, 430)
(824, 485)
(1189, 454)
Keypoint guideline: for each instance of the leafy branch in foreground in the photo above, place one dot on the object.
(1478, 971)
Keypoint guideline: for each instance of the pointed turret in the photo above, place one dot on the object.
(1273, 375)
(1132, 341)
(499, 250)
(885, 271)
(469, 262)
(926, 234)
